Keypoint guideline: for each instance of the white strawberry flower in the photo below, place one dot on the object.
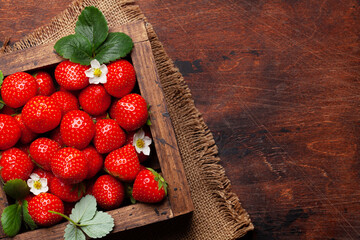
(97, 73)
(142, 142)
(37, 185)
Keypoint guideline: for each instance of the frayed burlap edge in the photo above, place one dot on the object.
(195, 140)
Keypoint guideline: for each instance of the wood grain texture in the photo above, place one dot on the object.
(277, 83)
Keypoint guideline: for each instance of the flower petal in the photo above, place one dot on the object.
(45, 189)
(89, 73)
(30, 182)
(35, 191)
(95, 63)
(147, 140)
(94, 80)
(34, 176)
(102, 79)
(138, 150)
(43, 182)
(139, 134)
(146, 150)
(103, 69)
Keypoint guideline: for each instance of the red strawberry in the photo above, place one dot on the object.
(56, 136)
(10, 131)
(149, 187)
(66, 101)
(131, 112)
(123, 163)
(15, 164)
(94, 99)
(41, 114)
(42, 150)
(45, 83)
(71, 76)
(39, 207)
(112, 109)
(66, 192)
(142, 140)
(108, 136)
(70, 165)
(77, 129)
(109, 192)
(120, 78)
(26, 134)
(18, 88)
(44, 174)
(95, 161)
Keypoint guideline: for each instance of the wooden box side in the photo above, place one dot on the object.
(178, 201)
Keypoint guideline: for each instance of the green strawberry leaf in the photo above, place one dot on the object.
(17, 189)
(84, 210)
(98, 227)
(76, 48)
(27, 218)
(92, 25)
(11, 219)
(1, 77)
(116, 45)
(161, 181)
(73, 233)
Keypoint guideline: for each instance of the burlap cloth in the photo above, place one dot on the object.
(218, 213)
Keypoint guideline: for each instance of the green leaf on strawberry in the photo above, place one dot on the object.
(29, 222)
(11, 219)
(117, 45)
(92, 40)
(85, 218)
(92, 25)
(1, 77)
(76, 48)
(17, 189)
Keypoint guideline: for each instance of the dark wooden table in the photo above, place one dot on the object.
(277, 83)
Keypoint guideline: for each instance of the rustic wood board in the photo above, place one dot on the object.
(178, 201)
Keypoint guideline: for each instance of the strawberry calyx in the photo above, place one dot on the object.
(161, 181)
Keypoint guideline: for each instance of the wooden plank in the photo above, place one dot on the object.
(3, 204)
(162, 129)
(45, 55)
(125, 218)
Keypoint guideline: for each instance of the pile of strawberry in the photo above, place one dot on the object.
(81, 139)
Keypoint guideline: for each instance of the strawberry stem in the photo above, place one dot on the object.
(66, 217)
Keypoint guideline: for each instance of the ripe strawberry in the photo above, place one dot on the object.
(112, 109)
(41, 114)
(143, 135)
(67, 192)
(94, 99)
(95, 161)
(77, 129)
(123, 163)
(42, 150)
(66, 101)
(71, 76)
(131, 112)
(26, 134)
(70, 165)
(109, 192)
(10, 131)
(121, 78)
(45, 83)
(44, 174)
(108, 136)
(39, 207)
(18, 88)
(15, 164)
(56, 136)
(149, 187)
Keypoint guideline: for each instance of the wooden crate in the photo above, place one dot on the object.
(178, 201)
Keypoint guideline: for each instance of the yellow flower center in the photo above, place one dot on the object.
(140, 143)
(37, 185)
(97, 72)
